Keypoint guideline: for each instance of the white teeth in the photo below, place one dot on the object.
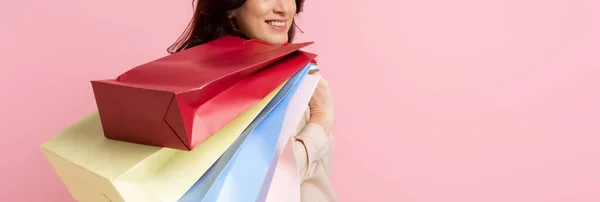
(277, 23)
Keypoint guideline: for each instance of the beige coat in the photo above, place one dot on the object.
(313, 149)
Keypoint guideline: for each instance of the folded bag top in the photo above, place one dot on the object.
(208, 68)
(153, 101)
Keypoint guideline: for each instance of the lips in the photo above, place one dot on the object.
(276, 23)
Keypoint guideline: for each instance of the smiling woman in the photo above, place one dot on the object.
(267, 20)
(272, 21)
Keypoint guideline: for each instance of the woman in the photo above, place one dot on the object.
(272, 21)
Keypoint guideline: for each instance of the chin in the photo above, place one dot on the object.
(275, 40)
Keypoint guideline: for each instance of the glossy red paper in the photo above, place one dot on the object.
(178, 101)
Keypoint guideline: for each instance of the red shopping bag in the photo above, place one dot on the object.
(180, 100)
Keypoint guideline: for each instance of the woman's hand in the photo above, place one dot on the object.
(322, 108)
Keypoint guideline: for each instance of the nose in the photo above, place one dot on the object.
(284, 7)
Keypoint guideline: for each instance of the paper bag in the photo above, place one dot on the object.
(285, 185)
(201, 187)
(95, 168)
(170, 102)
(243, 164)
(283, 181)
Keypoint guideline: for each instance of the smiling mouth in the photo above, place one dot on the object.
(276, 23)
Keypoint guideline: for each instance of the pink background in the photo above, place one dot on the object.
(438, 101)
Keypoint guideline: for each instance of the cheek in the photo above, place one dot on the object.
(252, 18)
(248, 24)
(293, 8)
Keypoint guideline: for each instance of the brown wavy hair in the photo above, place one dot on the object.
(210, 22)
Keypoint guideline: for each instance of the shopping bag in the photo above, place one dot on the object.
(200, 188)
(282, 182)
(230, 172)
(95, 168)
(285, 185)
(170, 102)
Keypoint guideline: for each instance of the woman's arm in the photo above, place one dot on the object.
(311, 145)
(313, 141)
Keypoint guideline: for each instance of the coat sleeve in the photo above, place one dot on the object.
(312, 146)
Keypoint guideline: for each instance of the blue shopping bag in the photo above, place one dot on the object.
(240, 172)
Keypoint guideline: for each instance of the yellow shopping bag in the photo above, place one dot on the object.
(96, 169)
